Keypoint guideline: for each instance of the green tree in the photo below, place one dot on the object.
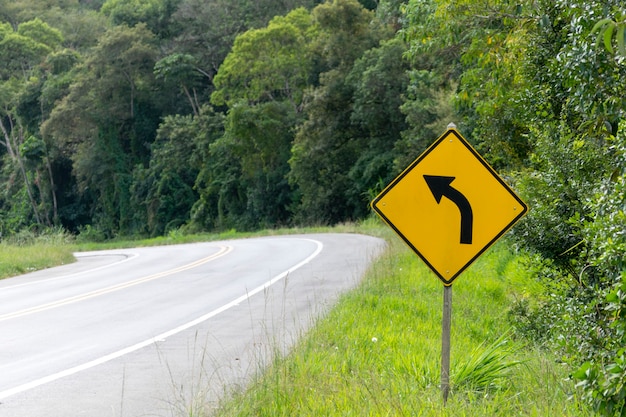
(112, 116)
(268, 64)
(207, 29)
(40, 32)
(479, 48)
(181, 70)
(260, 138)
(155, 14)
(80, 24)
(328, 143)
(262, 81)
(380, 79)
(164, 193)
(22, 52)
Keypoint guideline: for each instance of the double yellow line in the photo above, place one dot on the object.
(223, 250)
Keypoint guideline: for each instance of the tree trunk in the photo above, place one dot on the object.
(13, 151)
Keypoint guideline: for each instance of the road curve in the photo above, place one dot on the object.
(164, 331)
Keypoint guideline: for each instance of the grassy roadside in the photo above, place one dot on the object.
(16, 260)
(378, 352)
(25, 254)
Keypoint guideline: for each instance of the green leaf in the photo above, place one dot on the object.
(612, 297)
(582, 372)
(621, 39)
(608, 36)
(600, 24)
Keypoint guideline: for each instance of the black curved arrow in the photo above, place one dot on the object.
(440, 186)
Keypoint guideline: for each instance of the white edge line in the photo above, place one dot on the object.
(129, 256)
(162, 336)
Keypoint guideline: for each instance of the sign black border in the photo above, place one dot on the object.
(400, 177)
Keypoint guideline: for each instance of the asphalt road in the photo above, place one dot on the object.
(164, 331)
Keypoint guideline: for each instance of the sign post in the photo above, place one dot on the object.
(445, 342)
(449, 206)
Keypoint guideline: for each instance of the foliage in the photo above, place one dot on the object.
(108, 106)
(607, 27)
(154, 13)
(92, 104)
(181, 71)
(166, 191)
(379, 79)
(26, 163)
(603, 380)
(540, 90)
(282, 63)
(330, 140)
(603, 377)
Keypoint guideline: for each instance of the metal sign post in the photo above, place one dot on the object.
(445, 342)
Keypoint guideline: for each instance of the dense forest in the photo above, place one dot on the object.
(140, 117)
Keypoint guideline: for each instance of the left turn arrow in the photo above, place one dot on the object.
(440, 186)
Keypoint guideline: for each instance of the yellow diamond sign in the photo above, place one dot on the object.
(449, 206)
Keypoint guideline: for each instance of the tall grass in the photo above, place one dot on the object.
(27, 252)
(378, 352)
(488, 368)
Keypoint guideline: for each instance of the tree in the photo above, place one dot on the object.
(380, 80)
(164, 193)
(22, 52)
(110, 110)
(155, 14)
(281, 63)
(328, 143)
(265, 105)
(207, 29)
(478, 48)
(259, 137)
(181, 70)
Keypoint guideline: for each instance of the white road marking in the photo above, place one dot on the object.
(129, 257)
(163, 336)
(37, 309)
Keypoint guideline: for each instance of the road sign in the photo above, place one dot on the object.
(449, 206)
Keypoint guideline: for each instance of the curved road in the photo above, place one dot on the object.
(164, 331)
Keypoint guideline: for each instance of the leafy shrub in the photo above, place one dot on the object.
(603, 380)
(89, 233)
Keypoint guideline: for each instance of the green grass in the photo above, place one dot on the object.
(27, 254)
(16, 260)
(378, 352)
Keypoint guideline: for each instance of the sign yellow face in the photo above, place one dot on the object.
(449, 206)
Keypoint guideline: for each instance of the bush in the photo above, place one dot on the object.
(45, 236)
(603, 379)
(89, 233)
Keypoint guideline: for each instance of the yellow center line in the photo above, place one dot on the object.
(223, 251)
